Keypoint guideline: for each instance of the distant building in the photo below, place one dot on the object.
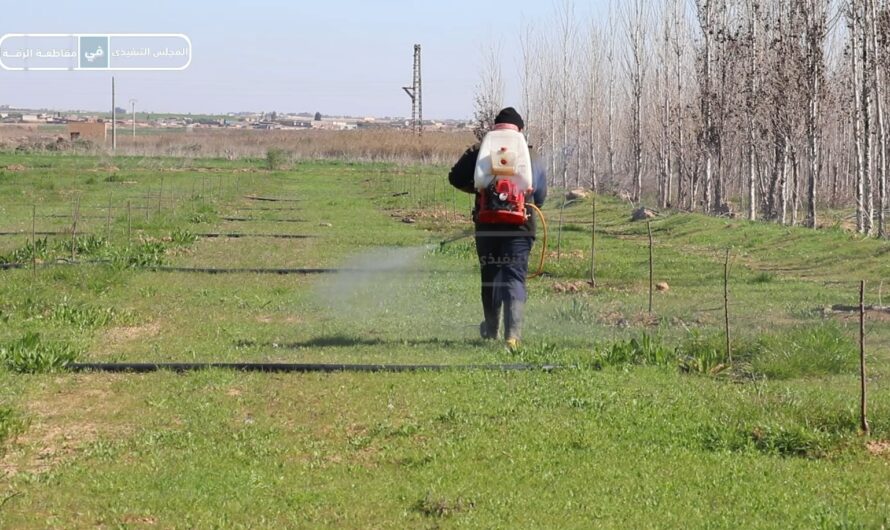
(93, 131)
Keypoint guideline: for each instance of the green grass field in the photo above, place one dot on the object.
(645, 424)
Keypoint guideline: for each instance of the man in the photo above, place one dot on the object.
(503, 249)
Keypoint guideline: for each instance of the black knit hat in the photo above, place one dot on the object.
(509, 115)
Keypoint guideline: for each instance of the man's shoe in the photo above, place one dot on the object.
(512, 344)
(513, 313)
(485, 331)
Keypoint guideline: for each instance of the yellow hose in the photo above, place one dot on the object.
(544, 245)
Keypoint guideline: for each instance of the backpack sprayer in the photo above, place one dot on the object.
(503, 179)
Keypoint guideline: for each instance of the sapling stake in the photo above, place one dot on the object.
(559, 230)
(593, 242)
(651, 266)
(726, 307)
(863, 390)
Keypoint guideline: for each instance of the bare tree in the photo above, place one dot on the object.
(707, 19)
(489, 92)
(877, 77)
(635, 15)
(775, 105)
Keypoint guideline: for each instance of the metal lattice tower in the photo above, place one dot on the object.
(415, 92)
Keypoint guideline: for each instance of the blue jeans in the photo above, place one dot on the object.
(503, 259)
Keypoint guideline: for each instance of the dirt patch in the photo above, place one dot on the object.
(71, 414)
(853, 316)
(279, 319)
(139, 520)
(572, 287)
(614, 319)
(124, 334)
(430, 214)
(576, 254)
(878, 447)
(16, 167)
(618, 319)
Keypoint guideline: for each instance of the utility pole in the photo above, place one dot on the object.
(133, 106)
(415, 92)
(113, 118)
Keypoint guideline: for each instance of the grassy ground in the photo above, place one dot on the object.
(648, 424)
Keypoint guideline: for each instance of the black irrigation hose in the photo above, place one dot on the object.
(43, 265)
(210, 270)
(208, 235)
(62, 233)
(242, 219)
(200, 270)
(269, 199)
(272, 236)
(265, 209)
(301, 368)
(68, 216)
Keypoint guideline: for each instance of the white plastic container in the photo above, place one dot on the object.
(504, 154)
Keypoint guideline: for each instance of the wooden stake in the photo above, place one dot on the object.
(651, 266)
(863, 390)
(160, 195)
(726, 307)
(593, 243)
(559, 231)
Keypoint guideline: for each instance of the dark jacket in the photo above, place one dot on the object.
(462, 177)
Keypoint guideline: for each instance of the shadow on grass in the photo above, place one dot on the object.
(347, 341)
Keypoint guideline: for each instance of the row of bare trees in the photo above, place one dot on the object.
(772, 108)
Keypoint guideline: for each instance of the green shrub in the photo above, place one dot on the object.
(578, 311)
(763, 277)
(183, 237)
(147, 254)
(645, 350)
(30, 354)
(276, 158)
(38, 250)
(81, 316)
(85, 245)
(704, 354)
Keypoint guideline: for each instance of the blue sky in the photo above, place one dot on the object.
(334, 56)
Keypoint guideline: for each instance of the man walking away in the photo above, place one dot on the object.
(503, 249)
